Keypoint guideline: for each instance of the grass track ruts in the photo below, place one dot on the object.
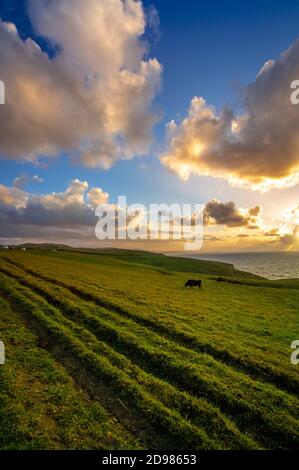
(184, 433)
(164, 365)
(257, 371)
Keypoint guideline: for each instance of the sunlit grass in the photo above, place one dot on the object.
(190, 368)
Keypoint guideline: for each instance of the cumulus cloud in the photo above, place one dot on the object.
(282, 239)
(93, 98)
(290, 239)
(227, 213)
(70, 215)
(289, 221)
(22, 180)
(286, 234)
(258, 149)
(12, 196)
(65, 214)
(97, 196)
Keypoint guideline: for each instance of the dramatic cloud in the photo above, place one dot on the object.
(290, 240)
(69, 216)
(288, 230)
(258, 149)
(286, 234)
(93, 98)
(282, 240)
(12, 196)
(97, 196)
(24, 215)
(220, 213)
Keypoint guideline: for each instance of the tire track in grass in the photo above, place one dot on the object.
(179, 374)
(164, 366)
(185, 434)
(257, 371)
(204, 415)
(40, 405)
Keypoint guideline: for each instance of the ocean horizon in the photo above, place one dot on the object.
(271, 265)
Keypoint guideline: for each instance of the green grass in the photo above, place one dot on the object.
(120, 355)
(40, 405)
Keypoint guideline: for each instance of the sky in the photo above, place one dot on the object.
(161, 101)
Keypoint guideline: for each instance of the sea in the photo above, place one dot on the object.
(271, 265)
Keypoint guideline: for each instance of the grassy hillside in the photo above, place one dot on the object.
(170, 263)
(107, 349)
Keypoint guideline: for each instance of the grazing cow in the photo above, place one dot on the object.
(194, 283)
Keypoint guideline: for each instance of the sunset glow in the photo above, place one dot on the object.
(84, 124)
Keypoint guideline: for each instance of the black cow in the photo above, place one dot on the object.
(194, 283)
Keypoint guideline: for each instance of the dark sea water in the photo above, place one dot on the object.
(278, 265)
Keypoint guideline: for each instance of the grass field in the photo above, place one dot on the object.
(108, 350)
